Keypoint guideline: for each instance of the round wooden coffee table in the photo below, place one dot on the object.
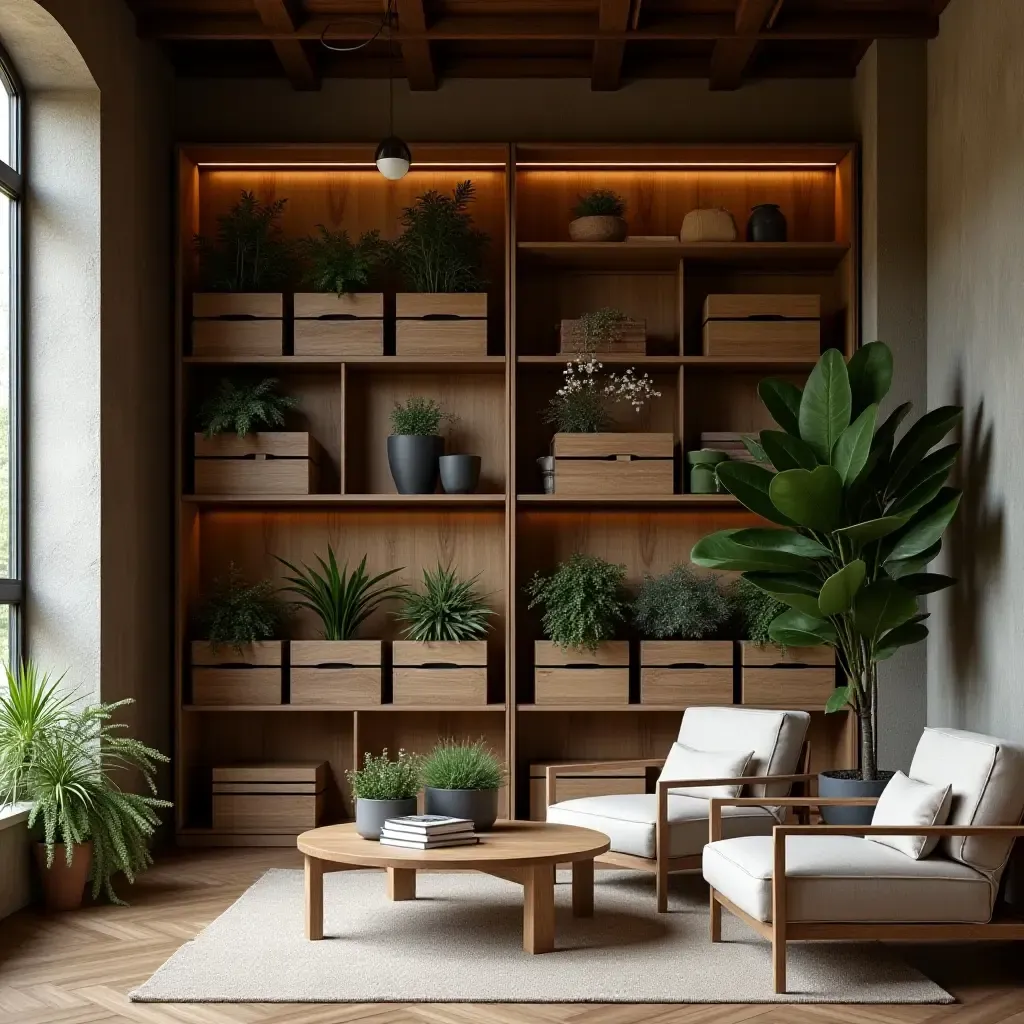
(520, 851)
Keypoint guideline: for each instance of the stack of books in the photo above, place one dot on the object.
(728, 442)
(427, 832)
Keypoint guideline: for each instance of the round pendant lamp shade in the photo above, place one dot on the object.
(393, 158)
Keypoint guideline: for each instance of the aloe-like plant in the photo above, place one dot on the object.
(860, 514)
(449, 608)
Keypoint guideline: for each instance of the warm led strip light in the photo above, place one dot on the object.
(302, 164)
(636, 165)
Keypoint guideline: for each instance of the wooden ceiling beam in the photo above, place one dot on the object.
(283, 17)
(416, 55)
(730, 57)
(606, 64)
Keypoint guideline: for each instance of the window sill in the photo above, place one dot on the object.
(13, 814)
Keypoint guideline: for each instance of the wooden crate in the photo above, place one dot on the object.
(339, 673)
(631, 463)
(439, 673)
(339, 325)
(686, 672)
(441, 325)
(237, 324)
(269, 798)
(796, 677)
(264, 462)
(581, 677)
(607, 782)
(227, 676)
(783, 326)
(632, 339)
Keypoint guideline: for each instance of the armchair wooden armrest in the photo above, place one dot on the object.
(553, 771)
(664, 785)
(718, 802)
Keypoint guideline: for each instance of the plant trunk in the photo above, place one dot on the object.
(868, 766)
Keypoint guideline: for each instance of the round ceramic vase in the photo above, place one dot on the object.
(460, 474)
(849, 784)
(371, 814)
(414, 460)
(480, 805)
(767, 224)
(703, 475)
(598, 229)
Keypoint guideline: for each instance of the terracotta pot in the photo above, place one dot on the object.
(598, 229)
(64, 885)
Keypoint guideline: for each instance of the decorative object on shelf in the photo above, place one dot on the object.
(460, 474)
(599, 216)
(759, 326)
(269, 799)
(860, 516)
(71, 764)
(602, 332)
(580, 405)
(703, 466)
(583, 677)
(711, 225)
(635, 463)
(767, 223)
(384, 789)
(461, 780)
(546, 464)
(415, 445)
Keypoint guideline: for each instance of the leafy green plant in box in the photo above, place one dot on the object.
(334, 263)
(754, 612)
(418, 415)
(238, 613)
(243, 405)
(447, 608)
(681, 605)
(601, 202)
(462, 765)
(380, 778)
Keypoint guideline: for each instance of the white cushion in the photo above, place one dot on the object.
(629, 821)
(847, 879)
(987, 776)
(909, 802)
(686, 763)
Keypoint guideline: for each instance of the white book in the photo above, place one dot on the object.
(429, 824)
(425, 844)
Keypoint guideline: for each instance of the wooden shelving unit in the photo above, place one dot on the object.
(509, 530)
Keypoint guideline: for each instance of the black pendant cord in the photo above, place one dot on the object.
(385, 23)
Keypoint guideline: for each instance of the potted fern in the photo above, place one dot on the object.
(337, 669)
(443, 659)
(599, 216)
(440, 257)
(338, 316)
(461, 780)
(384, 789)
(239, 308)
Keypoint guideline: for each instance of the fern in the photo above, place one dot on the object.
(602, 202)
(242, 405)
(337, 264)
(239, 613)
(681, 605)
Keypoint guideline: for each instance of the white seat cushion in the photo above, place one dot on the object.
(848, 879)
(629, 821)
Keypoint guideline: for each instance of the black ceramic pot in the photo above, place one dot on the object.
(767, 224)
(479, 805)
(413, 459)
(460, 474)
(849, 784)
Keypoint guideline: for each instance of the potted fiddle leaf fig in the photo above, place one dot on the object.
(860, 516)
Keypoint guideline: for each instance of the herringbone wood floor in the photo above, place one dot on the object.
(77, 968)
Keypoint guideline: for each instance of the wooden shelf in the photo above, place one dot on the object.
(653, 500)
(588, 708)
(706, 364)
(391, 708)
(367, 364)
(409, 501)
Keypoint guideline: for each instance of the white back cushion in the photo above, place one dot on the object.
(686, 763)
(987, 778)
(911, 802)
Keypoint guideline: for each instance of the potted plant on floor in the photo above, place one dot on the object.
(384, 789)
(461, 780)
(860, 516)
(598, 216)
(415, 445)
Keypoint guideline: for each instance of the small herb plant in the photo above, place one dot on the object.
(241, 405)
(449, 608)
(334, 263)
(341, 600)
(602, 202)
(584, 601)
(755, 610)
(580, 405)
(380, 778)
(238, 613)
(681, 605)
(418, 415)
(600, 329)
(455, 765)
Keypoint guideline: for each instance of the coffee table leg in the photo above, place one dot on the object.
(401, 884)
(314, 898)
(582, 888)
(539, 909)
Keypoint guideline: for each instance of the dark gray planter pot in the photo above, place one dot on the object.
(460, 474)
(371, 814)
(546, 464)
(481, 805)
(848, 784)
(413, 459)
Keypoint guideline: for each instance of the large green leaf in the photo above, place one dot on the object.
(926, 582)
(872, 529)
(799, 589)
(926, 527)
(720, 551)
(927, 432)
(885, 436)
(750, 484)
(839, 698)
(900, 568)
(913, 501)
(782, 399)
(924, 481)
(753, 445)
(840, 589)
(826, 404)
(787, 541)
(870, 372)
(787, 451)
(812, 498)
(881, 606)
(851, 451)
(902, 636)
(795, 629)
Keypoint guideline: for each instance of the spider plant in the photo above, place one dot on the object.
(449, 608)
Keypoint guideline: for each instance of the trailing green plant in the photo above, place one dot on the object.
(681, 605)
(248, 253)
(581, 404)
(417, 415)
(334, 263)
(448, 608)
(584, 601)
(341, 600)
(440, 249)
(238, 613)
(598, 329)
(755, 610)
(242, 405)
(601, 202)
(380, 778)
(861, 515)
(462, 765)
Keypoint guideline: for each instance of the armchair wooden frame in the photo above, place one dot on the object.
(662, 865)
(779, 930)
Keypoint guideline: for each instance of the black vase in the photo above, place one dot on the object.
(480, 805)
(413, 459)
(766, 224)
(849, 784)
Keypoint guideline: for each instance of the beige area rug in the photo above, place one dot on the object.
(461, 941)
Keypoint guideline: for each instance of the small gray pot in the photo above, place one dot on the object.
(413, 459)
(481, 805)
(460, 474)
(849, 784)
(546, 463)
(371, 814)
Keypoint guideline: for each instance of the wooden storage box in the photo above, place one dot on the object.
(631, 464)
(227, 676)
(781, 326)
(632, 339)
(796, 677)
(237, 324)
(439, 673)
(264, 462)
(685, 672)
(581, 677)
(338, 673)
(269, 798)
(339, 325)
(441, 325)
(610, 781)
